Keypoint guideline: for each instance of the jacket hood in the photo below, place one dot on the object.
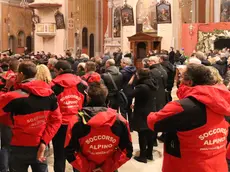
(216, 97)
(130, 69)
(113, 70)
(67, 80)
(36, 87)
(92, 77)
(100, 116)
(151, 83)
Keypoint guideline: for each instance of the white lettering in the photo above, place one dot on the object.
(101, 137)
(212, 132)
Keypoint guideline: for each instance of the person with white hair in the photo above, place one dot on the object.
(113, 80)
(194, 60)
(51, 63)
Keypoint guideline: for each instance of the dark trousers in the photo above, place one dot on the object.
(59, 151)
(146, 141)
(6, 136)
(58, 147)
(113, 102)
(4, 160)
(23, 157)
(127, 113)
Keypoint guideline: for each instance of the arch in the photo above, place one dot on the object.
(29, 43)
(21, 39)
(12, 43)
(85, 37)
(91, 48)
(117, 23)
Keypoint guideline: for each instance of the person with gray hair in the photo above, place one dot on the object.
(127, 71)
(51, 63)
(113, 80)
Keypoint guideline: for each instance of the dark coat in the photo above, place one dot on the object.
(206, 62)
(127, 73)
(171, 71)
(172, 57)
(117, 58)
(158, 73)
(117, 77)
(227, 78)
(145, 102)
(221, 66)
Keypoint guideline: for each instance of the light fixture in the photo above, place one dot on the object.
(191, 29)
(24, 4)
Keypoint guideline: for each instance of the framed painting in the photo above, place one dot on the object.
(163, 9)
(60, 21)
(127, 15)
(225, 11)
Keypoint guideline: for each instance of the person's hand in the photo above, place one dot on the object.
(98, 170)
(132, 106)
(41, 153)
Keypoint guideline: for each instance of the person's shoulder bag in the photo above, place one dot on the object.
(121, 95)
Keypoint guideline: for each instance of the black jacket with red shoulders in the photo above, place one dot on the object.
(196, 129)
(34, 112)
(69, 90)
(98, 137)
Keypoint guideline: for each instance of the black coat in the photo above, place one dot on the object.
(127, 73)
(221, 66)
(158, 73)
(172, 57)
(117, 77)
(145, 102)
(171, 71)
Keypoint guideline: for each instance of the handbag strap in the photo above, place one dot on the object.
(113, 82)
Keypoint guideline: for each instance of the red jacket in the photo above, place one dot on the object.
(91, 77)
(34, 112)
(99, 138)
(196, 130)
(69, 90)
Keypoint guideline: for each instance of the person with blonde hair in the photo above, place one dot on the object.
(43, 74)
(215, 73)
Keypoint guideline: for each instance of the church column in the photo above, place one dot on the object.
(217, 4)
(97, 18)
(110, 15)
(207, 11)
(211, 12)
(194, 12)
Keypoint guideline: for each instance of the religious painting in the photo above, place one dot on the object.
(60, 22)
(146, 16)
(127, 15)
(117, 23)
(225, 11)
(163, 12)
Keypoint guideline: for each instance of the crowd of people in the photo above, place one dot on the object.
(88, 107)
